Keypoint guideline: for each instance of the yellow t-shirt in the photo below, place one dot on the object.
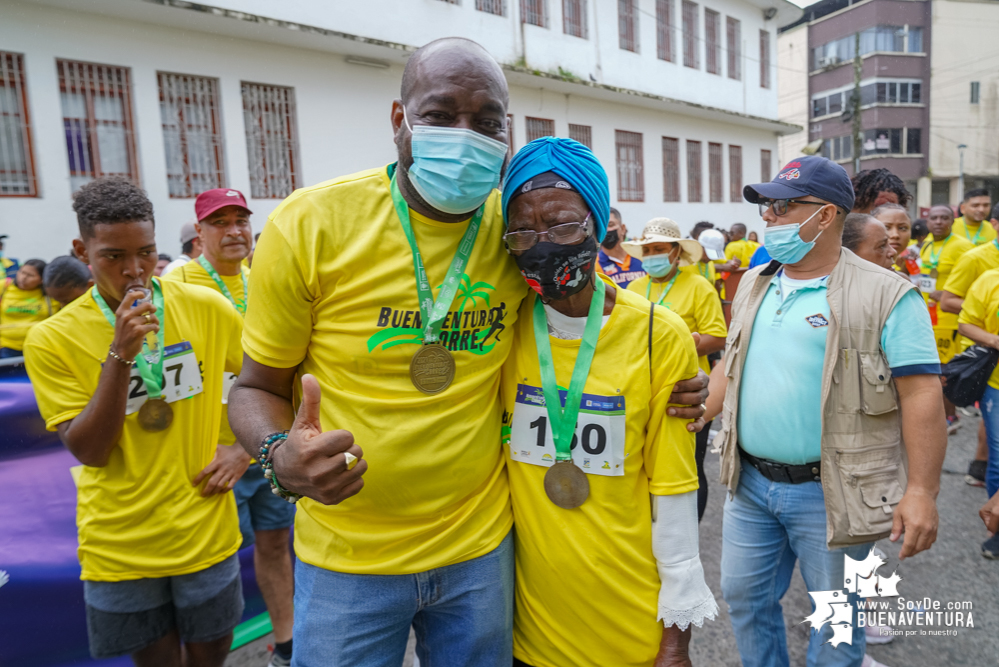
(334, 293)
(139, 516)
(704, 269)
(984, 234)
(980, 308)
(587, 586)
(742, 249)
(19, 311)
(693, 299)
(194, 274)
(970, 267)
(943, 256)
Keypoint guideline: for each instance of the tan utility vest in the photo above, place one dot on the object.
(863, 462)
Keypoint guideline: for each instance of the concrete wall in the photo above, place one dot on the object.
(342, 114)
(792, 91)
(964, 50)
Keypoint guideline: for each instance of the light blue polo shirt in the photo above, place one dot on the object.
(780, 398)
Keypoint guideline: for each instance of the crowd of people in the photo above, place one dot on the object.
(486, 408)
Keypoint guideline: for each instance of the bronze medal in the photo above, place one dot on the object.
(432, 369)
(933, 274)
(566, 485)
(155, 415)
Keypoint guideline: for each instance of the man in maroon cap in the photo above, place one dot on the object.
(226, 239)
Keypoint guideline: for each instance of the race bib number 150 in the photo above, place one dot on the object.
(597, 445)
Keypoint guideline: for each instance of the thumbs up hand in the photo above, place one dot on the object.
(314, 463)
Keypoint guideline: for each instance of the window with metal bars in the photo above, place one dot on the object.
(491, 7)
(574, 18)
(715, 173)
(539, 127)
(664, 30)
(533, 12)
(17, 168)
(96, 105)
(765, 165)
(581, 133)
(627, 25)
(630, 180)
(735, 173)
(691, 35)
(271, 140)
(712, 43)
(694, 171)
(764, 59)
(192, 134)
(733, 36)
(671, 169)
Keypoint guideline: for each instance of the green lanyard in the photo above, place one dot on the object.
(150, 366)
(935, 259)
(239, 305)
(705, 271)
(564, 421)
(978, 234)
(669, 286)
(433, 312)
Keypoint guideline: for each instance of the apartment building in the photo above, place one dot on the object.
(925, 98)
(677, 98)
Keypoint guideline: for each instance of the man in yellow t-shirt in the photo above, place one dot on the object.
(975, 211)
(130, 377)
(979, 322)
(740, 248)
(938, 256)
(590, 468)
(264, 519)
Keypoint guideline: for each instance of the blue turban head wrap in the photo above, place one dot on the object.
(572, 161)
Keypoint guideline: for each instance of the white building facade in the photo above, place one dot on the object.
(678, 99)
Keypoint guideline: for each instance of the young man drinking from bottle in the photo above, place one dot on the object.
(130, 377)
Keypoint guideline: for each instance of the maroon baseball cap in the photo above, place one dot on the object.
(210, 201)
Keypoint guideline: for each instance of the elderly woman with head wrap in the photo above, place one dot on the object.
(600, 581)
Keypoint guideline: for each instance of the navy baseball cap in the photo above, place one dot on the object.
(812, 175)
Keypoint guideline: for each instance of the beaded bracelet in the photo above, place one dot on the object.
(266, 460)
(121, 359)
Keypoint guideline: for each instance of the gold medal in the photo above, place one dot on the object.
(432, 369)
(155, 415)
(566, 485)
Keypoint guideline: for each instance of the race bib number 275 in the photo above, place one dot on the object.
(181, 378)
(597, 445)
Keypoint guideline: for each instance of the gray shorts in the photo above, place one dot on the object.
(126, 616)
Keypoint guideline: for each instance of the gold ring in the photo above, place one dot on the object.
(147, 317)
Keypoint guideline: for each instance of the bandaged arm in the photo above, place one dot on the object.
(684, 597)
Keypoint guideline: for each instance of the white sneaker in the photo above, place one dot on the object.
(874, 636)
(871, 662)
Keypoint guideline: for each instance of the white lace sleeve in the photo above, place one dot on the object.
(684, 597)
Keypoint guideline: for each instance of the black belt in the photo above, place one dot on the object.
(782, 472)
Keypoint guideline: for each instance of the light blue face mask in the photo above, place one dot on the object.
(657, 266)
(784, 243)
(454, 169)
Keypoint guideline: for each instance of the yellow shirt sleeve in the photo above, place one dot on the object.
(731, 250)
(962, 276)
(60, 396)
(278, 324)
(974, 310)
(669, 447)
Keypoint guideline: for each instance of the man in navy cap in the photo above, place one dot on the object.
(830, 365)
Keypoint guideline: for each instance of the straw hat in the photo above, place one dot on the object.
(664, 230)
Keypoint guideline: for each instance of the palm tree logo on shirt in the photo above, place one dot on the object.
(462, 334)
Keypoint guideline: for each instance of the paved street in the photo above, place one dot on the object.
(953, 570)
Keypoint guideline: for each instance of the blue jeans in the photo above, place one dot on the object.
(258, 507)
(462, 615)
(990, 413)
(767, 527)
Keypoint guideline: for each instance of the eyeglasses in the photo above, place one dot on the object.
(780, 205)
(566, 233)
